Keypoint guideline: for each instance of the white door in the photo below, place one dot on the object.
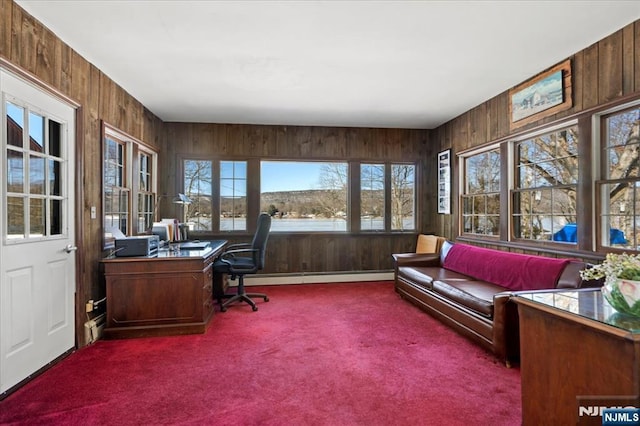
(37, 255)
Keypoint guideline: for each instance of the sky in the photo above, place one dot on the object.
(289, 176)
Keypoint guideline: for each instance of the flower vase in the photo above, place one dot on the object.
(623, 295)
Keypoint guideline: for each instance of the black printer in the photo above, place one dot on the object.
(140, 245)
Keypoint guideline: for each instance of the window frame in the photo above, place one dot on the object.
(514, 189)
(385, 167)
(348, 197)
(233, 179)
(464, 190)
(132, 148)
(215, 219)
(602, 178)
(254, 194)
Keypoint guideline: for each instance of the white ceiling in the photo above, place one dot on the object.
(407, 64)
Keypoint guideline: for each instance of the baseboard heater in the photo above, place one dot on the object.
(93, 328)
(317, 278)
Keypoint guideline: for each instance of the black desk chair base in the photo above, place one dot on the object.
(242, 296)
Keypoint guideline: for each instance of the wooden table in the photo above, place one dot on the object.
(577, 354)
(167, 294)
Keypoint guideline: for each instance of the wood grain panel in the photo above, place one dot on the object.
(590, 77)
(636, 55)
(610, 68)
(6, 9)
(628, 58)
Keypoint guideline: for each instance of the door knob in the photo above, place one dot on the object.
(70, 247)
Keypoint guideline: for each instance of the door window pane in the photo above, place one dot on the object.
(36, 132)
(36, 217)
(15, 171)
(55, 218)
(55, 177)
(55, 138)
(15, 217)
(36, 175)
(15, 125)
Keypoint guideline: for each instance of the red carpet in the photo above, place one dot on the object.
(329, 354)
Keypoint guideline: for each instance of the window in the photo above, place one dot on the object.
(544, 195)
(620, 186)
(372, 197)
(128, 206)
(481, 193)
(116, 188)
(197, 186)
(233, 195)
(403, 197)
(305, 196)
(146, 193)
(35, 171)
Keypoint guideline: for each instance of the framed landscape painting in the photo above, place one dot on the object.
(543, 95)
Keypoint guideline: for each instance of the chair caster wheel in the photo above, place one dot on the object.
(266, 299)
(255, 308)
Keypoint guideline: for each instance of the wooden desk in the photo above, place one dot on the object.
(163, 295)
(576, 354)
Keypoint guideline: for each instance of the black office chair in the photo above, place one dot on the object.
(242, 259)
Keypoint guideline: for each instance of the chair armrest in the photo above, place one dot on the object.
(237, 246)
(416, 259)
(232, 253)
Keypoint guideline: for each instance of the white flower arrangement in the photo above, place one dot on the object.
(622, 281)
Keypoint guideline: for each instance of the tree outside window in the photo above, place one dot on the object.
(403, 197)
(620, 188)
(197, 186)
(481, 193)
(372, 197)
(544, 195)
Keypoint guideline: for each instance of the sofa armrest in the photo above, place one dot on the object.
(506, 333)
(416, 259)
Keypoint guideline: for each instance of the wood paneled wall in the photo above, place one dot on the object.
(29, 45)
(294, 253)
(607, 71)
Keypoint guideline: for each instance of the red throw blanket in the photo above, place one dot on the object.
(511, 270)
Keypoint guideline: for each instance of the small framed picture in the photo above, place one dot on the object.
(444, 182)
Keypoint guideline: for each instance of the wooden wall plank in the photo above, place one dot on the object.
(590, 77)
(610, 66)
(577, 65)
(636, 55)
(6, 16)
(628, 58)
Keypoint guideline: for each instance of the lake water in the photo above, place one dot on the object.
(315, 225)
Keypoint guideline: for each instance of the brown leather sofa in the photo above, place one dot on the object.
(468, 288)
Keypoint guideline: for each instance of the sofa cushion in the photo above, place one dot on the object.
(472, 294)
(425, 275)
(511, 270)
